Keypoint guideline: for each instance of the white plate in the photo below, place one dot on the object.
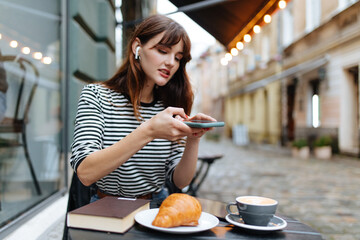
(276, 223)
(206, 222)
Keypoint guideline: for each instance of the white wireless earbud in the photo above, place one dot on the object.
(137, 57)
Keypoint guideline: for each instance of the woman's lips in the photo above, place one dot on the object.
(164, 73)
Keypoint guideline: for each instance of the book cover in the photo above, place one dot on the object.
(110, 214)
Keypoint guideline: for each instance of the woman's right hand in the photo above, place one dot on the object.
(165, 126)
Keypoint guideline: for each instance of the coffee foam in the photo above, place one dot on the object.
(254, 200)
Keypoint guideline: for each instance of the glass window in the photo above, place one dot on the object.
(265, 49)
(288, 25)
(345, 3)
(313, 14)
(253, 107)
(232, 70)
(315, 103)
(250, 60)
(30, 116)
(315, 110)
(241, 66)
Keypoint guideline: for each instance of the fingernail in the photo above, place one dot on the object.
(186, 116)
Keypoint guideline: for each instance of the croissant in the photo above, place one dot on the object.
(178, 209)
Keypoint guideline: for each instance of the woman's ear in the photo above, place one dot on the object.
(135, 45)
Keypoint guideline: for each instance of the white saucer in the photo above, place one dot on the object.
(276, 223)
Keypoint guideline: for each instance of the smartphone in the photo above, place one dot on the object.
(203, 123)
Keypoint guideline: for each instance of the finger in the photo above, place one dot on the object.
(178, 117)
(181, 126)
(198, 134)
(197, 130)
(201, 116)
(177, 111)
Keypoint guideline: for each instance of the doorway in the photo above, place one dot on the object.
(290, 128)
(354, 79)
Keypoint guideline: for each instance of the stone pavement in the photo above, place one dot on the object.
(324, 194)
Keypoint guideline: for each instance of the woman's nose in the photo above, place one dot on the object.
(170, 60)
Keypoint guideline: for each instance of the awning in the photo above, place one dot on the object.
(227, 20)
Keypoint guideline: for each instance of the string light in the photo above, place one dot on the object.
(46, 60)
(234, 52)
(267, 18)
(247, 38)
(223, 62)
(228, 56)
(240, 45)
(13, 44)
(282, 4)
(256, 29)
(37, 55)
(25, 50)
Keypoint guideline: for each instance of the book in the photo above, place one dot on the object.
(109, 214)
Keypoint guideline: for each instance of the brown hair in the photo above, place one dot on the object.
(130, 78)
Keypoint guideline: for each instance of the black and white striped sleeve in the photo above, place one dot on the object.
(89, 127)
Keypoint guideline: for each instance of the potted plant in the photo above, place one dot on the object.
(300, 149)
(322, 147)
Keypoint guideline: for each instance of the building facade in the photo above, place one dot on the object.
(322, 96)
(297, 78)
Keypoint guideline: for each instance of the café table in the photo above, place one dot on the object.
(295, 230)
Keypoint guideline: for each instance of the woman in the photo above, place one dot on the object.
(129, 135)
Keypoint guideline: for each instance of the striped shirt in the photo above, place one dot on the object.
(103, 118)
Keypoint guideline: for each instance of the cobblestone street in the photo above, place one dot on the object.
(321, 193)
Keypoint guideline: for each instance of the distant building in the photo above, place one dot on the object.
(321, 87)
(297, 78)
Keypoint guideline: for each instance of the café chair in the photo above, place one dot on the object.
(202, 171)
(79, 195)
(18, 122)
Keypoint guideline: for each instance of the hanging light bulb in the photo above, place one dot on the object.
(267, 18)
(247, 38)
(25, 50)
(37, 55)
(234, 52)
(223, 61)
(46, 60)
(13, 44)
(282, 4)
(240, 45)
(228, 56)
(256, 29)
